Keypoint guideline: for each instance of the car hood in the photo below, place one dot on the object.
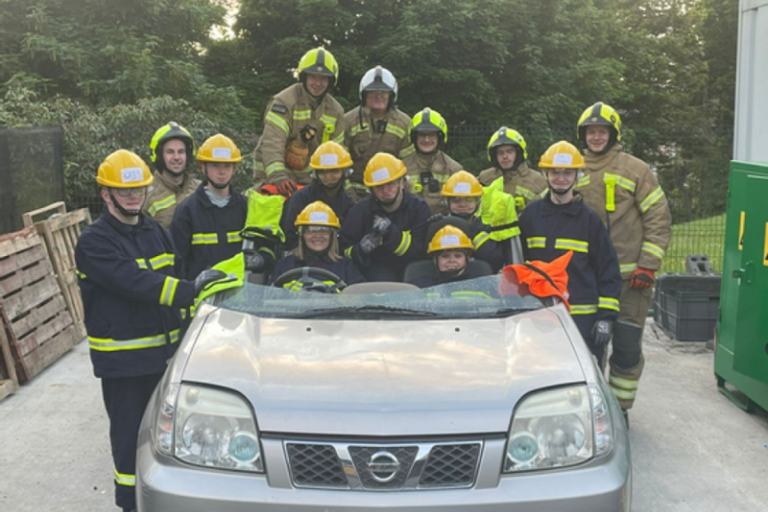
(383, 378)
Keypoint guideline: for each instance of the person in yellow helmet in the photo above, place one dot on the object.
(130, 280)
(171, 150)
(625, 193)
(561, 222)
(386, 230)
(331, 165)
(450, 249)
(508, 152)
(318, 247)
(296, 121)
(375, 126)
(429, 166)
(206, 226)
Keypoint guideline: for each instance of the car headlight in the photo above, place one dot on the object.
(208, 427)
(557, 428)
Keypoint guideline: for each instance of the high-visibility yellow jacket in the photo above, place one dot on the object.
(286, 114)
(434, 170)
(524, 184)
(164, 196)
(623, 190)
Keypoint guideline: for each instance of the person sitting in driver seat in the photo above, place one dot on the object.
(450, 250)
(318, 247)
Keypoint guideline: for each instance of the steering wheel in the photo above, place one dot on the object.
(313, 279)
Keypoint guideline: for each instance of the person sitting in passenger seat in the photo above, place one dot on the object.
(450, 250)
(318, 247)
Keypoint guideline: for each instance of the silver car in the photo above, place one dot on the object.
(472, 395)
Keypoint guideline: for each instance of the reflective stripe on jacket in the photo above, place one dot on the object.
(365, 137)
(525, 184)
(341, 203)
(426, 169)
(164, 196)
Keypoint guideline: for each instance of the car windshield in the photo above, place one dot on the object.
(484, 297)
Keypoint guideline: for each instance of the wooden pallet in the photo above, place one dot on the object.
(9, 383)
(33, 310)
(60, 233)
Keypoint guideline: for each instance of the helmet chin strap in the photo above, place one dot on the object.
(219, 186)
(453, 273)
(123, 211)
(391, 201)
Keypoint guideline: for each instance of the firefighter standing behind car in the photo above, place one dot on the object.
(206, 227)
(171, 150)
(330, 164)
(376, 126)
(429, 166)
(385, 231)
(128, 273)
(561, 222)
(624, 192)
(296, 121)
(508, 152)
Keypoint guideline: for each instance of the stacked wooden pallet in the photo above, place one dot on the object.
(33, 311)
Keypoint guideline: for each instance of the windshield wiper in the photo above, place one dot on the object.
(505, 312)
(364, 310)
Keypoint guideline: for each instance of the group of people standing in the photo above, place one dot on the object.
(365, 193)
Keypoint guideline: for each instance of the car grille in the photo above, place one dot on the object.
(383, 467)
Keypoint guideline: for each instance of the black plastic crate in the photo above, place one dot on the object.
(686, 306)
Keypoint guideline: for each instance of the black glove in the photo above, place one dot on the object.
(207, 277)
(435, 217)
(602, 332)
(286, 187)
(369, 243)
(380, 225)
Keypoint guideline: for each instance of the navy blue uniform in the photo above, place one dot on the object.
(404, 241)
(341, 203)
(485, 248)
(550, 230)
(205, 234)
(131, 300)
(344, 268)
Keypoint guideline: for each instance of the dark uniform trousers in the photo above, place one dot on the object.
(131, 300)
(550, 230)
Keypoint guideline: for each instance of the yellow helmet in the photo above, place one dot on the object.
(317, 214)
(219, 148)
(428, 120)
(330, 155)
(170, 131)
(123, 169)
(383, 168)
(449, 237)
(602, 115)
(462, 184)
(318, 61)
(562, 155)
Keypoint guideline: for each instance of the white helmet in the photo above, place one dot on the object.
(378, 79)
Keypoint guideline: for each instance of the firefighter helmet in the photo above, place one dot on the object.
(330, 155)
(383, 168)
(507, 137)
(318, 214)
(600, 114)
(170, 131)
(318, 61)
(562, 155)
(123, 169)
(219, 148)
(462, 184)
(449, 238)
(429, 120)
(379, 79)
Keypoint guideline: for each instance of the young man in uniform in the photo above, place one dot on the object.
(385, 231)
(297, 120)
(130, 282)
(429, 166)
(376, 126)
(507, 151)
(171, 150)
(625, 193)
(206, 227)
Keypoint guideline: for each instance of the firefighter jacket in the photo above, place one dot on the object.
(205, 234)
(524, 184)
(128, 277)
(164, 196)
(427, 174)
(367, 136)
(286, 115)
(344, 268)
(341, 203)
(624, 192)
(550, 230)
(486, 248)
(404, 241)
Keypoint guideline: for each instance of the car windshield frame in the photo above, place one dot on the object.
(468, 299)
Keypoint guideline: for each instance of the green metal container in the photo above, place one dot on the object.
(741, 350)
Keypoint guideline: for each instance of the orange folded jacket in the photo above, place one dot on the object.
(542, 279)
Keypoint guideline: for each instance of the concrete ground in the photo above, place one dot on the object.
(692, 449)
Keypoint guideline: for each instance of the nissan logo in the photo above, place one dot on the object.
(383, 466)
